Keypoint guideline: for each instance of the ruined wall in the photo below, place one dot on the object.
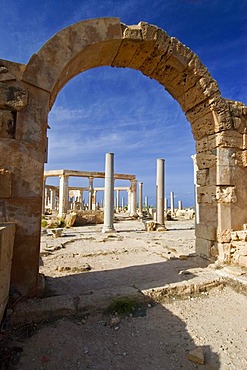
(22, 143)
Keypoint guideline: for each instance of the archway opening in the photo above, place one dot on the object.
(120, 111)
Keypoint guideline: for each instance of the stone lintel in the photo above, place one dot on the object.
(98, 175)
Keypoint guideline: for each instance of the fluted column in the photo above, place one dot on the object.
(160, 187)
(109, 193)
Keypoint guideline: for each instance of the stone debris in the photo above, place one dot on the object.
(197, 356)
(85, 267)
(114, 322)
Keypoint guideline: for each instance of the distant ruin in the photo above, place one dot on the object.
(27, 93)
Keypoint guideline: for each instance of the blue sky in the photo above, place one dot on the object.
(120, 110)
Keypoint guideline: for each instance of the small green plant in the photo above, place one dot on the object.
(43, 223)
(126, 306)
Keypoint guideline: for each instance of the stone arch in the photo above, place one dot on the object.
(29, 91)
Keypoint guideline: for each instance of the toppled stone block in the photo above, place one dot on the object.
(150, 225)
(197, 356)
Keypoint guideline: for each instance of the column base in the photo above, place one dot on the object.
(160, 227)
(108, 229)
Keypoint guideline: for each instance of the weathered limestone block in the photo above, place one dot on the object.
(10, 71)
(241, 158)
(205, 231)
(205, 160)
(226, 194)
(203, 247)
(7, 235)
(224, 252)
(224, 236)
(224, 139)
(12, 97)
(208, 213)
(202, 177)
(7, 124)
(203, 126)
(5, 184)
(206, 87)
(206, 194)
(241, 234)
(238, 112)
(213, 116)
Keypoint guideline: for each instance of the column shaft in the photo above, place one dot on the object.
(172, 203)
(90, 194)
(109, 193)
(140, 197)
(133, 198)
(63, 196)
(160, 187)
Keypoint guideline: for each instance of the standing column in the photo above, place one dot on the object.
(109, 193)
(133, 198)
(94, 200)
(118, 200)
(172, 203)
(122, 203)
(90, 193)
(180, 205)
(129, 202)
(146, 202)
(53, 199)
(140, 198)
(160, 187)
(63, 195)
(166, 204)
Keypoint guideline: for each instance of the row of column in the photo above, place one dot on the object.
(161, 202)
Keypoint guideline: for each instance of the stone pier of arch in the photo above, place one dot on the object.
(28, 92)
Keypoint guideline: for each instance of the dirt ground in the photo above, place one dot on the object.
(155, 333)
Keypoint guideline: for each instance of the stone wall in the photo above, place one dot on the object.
(7, 235)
